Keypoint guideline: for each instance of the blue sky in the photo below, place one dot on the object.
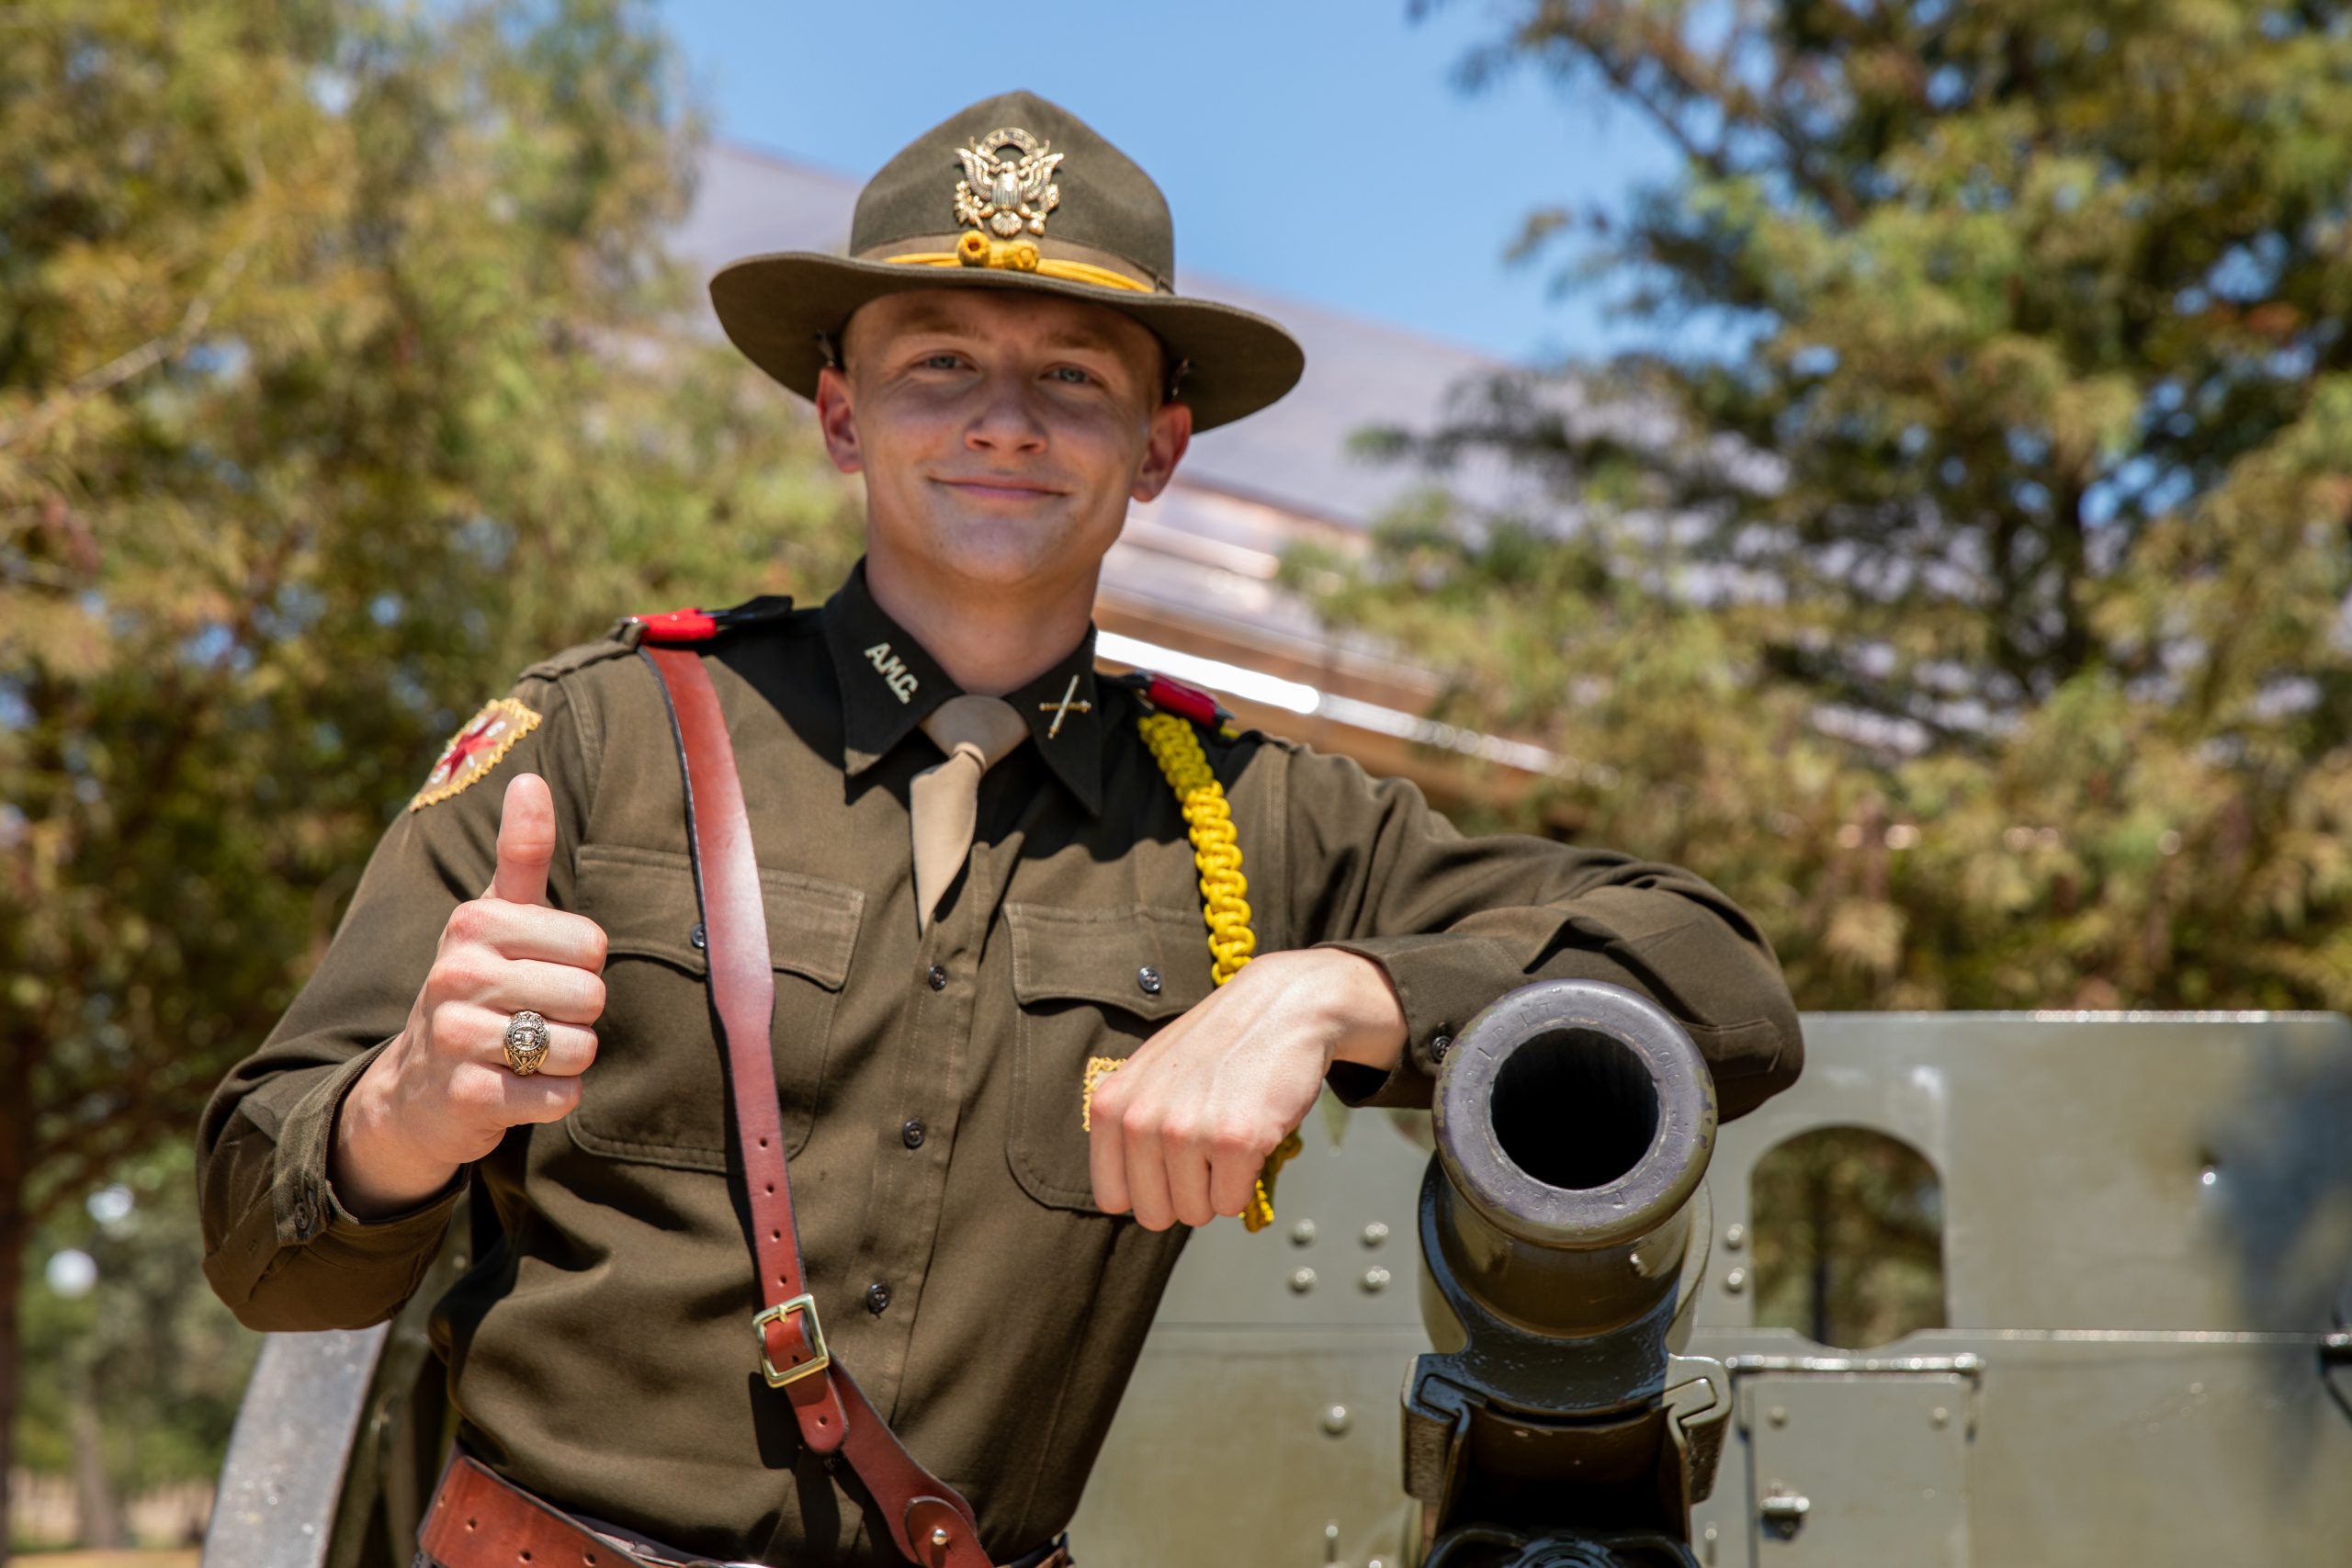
(1312, 148)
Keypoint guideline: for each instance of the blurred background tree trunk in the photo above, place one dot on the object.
(94, 1490)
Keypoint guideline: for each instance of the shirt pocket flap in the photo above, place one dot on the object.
(644, 900)
(1149, 962)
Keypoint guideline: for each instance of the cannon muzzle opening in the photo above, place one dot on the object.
(1574, 1108)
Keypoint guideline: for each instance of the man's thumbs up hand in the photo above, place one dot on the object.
(445, 1090)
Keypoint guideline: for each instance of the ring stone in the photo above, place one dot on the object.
(527, 1042)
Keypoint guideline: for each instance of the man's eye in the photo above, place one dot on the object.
(1071, 375)
(942, 361)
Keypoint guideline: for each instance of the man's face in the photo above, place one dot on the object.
(1002, 434)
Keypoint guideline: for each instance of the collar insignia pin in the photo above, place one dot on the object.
(1007, 194)
(1063, 709)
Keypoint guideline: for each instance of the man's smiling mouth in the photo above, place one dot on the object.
(998, 485)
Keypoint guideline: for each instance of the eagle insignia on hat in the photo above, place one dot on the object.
(1007, 195)
(477, 747)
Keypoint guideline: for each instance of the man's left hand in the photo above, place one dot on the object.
(1181, 1130)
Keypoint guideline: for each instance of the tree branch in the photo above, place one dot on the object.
(136, 362)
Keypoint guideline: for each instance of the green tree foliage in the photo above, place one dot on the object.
(1972, 601)
(340, 376)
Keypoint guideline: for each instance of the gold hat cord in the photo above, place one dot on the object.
(976, 249)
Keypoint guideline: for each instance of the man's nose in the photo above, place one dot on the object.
(1007, 420)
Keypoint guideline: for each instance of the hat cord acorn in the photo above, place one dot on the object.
(975, 249)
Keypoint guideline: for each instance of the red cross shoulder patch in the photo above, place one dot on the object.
(477, 748)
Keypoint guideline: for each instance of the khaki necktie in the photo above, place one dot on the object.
(977, 733)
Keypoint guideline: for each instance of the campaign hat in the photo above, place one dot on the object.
(1015, 192)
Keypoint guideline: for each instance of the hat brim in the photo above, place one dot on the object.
(777, 309)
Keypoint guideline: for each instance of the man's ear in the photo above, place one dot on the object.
(1164, 448)
(839, 421)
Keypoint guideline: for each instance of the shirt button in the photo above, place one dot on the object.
(304, 1217)
(912, 1133)
(938, 979)
(878, 1297)
(1440, 1047)
(699, 939)
(1148, 980)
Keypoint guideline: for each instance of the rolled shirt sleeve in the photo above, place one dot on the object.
(280, 1249)
(1454, 921)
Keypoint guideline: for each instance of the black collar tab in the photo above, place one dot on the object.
(889, 683)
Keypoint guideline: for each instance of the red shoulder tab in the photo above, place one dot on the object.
(1174, 696)
(679, 626)
(701, 626)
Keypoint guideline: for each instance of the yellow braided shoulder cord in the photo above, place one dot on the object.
(1216, 850)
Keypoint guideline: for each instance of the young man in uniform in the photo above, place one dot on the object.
(1008, 1070)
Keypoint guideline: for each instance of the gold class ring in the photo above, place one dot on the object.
(527, 1042)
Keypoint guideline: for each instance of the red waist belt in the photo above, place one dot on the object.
(481, 1520)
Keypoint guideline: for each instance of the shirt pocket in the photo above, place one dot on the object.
(1088, 983)
(657, 1092)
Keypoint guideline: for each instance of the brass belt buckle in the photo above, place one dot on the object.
(777, 1314)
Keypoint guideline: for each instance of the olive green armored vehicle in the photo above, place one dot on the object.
(1501, 1335)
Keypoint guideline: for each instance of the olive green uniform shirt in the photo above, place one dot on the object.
(603, 1355)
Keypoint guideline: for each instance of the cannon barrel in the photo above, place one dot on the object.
(1564, 1224)
(1573, 1128)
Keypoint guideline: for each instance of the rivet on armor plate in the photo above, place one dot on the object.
(1302, 1280)
(1337, 1420)
(1375, 1234)
(1736, 1281)
(1303, 1233)
(1734, 1236)
(1375, 1281)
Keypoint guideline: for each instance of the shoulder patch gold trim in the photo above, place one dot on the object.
(480, 745)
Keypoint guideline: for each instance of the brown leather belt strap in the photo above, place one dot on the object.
(478, 1519)
(929, 1523)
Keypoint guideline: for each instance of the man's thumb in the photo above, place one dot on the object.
(526, 841)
